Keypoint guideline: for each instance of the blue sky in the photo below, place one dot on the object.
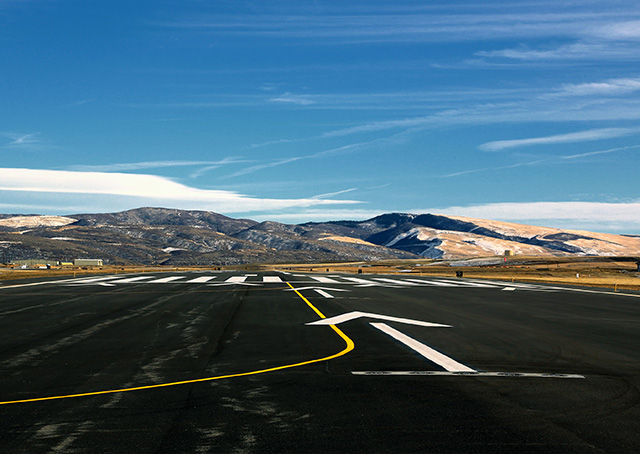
(317, 110)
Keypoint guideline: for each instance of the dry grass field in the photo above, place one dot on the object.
(588, 272)
(7, 273)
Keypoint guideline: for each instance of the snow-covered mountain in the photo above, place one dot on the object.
(453, 237)
(178, 237)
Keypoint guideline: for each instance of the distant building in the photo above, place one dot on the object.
(508, 253)
(88, 262)
(34, 262)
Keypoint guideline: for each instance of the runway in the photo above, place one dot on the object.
(278, 362)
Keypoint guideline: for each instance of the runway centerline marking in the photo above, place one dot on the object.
(349, 347)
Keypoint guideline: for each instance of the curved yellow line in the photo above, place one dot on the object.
(350, 346)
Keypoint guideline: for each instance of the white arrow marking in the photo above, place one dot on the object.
(317, 288)
(357, 314)
(450, 364)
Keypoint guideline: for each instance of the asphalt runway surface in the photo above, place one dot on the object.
(275, 362)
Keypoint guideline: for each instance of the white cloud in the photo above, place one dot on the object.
(133, 189)
(20, 140)
(581, 136)
(290, 98)
(333, 194)
(610, 87)
(319, 215)
(477, 22)
(626, 30)
(121, 167)
(594, 216)
(576, 51)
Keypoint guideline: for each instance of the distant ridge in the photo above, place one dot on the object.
(181, 237)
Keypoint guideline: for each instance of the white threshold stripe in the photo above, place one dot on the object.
(234, 279)
(466, 374)
(325, 280)
(449, 364)
(436, 283)
(357, 280)
(91, 280)
(469, 283)
(133, 279)
(164, 280)
(271, 279)
(201, 279)
(394, 281)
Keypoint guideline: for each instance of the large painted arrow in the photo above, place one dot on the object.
(316, 288)
(357, 314)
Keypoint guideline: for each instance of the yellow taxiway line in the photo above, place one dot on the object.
(349, 347)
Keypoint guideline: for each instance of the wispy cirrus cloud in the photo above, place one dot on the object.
(593, 101)
(23, 141)
(333, 194)
(350, 148)
(290, 98)
(417, 24)
(541, 161)
(611, 87)
(588, 51)
(133, 190)
(128, 166)
(620, 30)
(573, 137)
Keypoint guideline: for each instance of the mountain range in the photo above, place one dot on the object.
(161, 236)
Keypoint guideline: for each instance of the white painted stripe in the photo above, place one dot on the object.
(357, 280)
(357, 314)
(449, 364)
(323, 293)
(467, 374)
(201, 279)
(236, 279)
(271, 279)
(91, 280)
(325, 280)
(509, 289)
(469, 284)
(164, 280)
(437, 283)
(133, 279)
(394, 281)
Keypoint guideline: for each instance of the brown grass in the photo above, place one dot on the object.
(7, 273)
(607, 273)
(618, 275)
